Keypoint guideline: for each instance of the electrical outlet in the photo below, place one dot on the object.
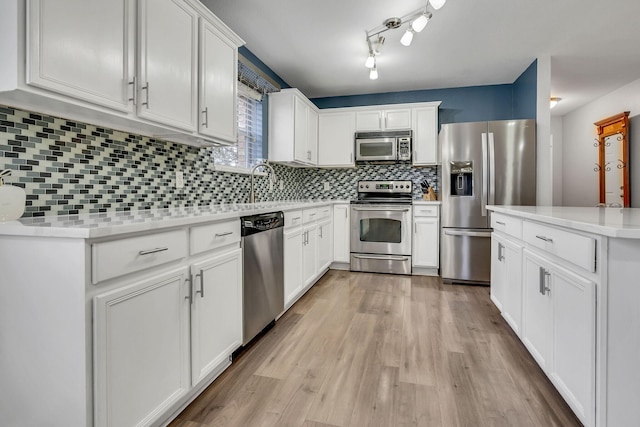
(326, 185)
(179, 179)
(281, 185)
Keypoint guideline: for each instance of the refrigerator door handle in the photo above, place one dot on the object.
(492, 166)
(484, 174)
(467, 233)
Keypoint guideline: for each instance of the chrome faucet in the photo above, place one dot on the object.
(274, 179)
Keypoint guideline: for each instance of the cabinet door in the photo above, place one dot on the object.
(168, 37)
(574, 332)
(325, 245)
(300, 130)
(309, 254)
(336, 139)
(83, 49)
(425, 136)
(341, 233)
(216, 313)
(498, 271)
(218, 84)
(141, 349)
(512, 295)
(397, 119)
(368, 120)
(292, 264)
(537, 309)
(425, 242)
(312, 138)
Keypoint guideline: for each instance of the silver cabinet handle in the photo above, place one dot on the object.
(351, 158)
(467, 233)
(501, 223)
(500, 248)
(206, 117)
(346, 212)
(201, 291)
(541, 280)
(190, 294)
(320, 228)
(547, 287)
(134, 90)
(226, 233)
(146, 87)
(152, 251)
(295, 218)
(546, 239)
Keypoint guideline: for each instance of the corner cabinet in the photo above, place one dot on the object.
(293, 129)
(144, 66)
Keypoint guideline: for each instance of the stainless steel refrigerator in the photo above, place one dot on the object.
(483, 163)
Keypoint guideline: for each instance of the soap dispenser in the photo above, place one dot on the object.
(12, 199)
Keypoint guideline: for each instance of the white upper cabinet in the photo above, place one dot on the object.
(425, 135)
(388, 119)
(335, 138)
(293, 128)
(218, 84)
(73, 53)
(168, 73)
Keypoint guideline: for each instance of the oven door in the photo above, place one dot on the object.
(381, 229)
(376, 149)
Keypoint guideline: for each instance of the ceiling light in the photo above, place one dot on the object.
(377, 45)
(407, 37)
(373, 74)
(371, 61)
(421, 21)
(553, 102)
(437, 4)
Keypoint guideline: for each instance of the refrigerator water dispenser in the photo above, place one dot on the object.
(461, 178)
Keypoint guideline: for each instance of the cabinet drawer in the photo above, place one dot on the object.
(575, 248)
(211, 236)
(124, 256)
(421, 211)
(292, 218)
(507, 224)
(309, 215)
(323, 212)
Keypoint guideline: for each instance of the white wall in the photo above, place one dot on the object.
(580, 156)
(544, 189)
(556, 159)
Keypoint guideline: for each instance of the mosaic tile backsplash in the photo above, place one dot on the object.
(67, 167)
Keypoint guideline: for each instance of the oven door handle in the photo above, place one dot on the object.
(466, 233)
(381, 209)
(382, 257)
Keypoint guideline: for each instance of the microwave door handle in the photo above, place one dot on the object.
(484, 174)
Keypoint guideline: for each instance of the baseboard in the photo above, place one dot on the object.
(422, 271)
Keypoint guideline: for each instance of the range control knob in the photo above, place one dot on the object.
(367, 186)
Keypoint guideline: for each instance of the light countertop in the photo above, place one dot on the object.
(611, 222)
(87, 226)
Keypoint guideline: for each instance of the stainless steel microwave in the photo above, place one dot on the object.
(394, 146)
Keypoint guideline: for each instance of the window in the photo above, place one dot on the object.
(248, 151)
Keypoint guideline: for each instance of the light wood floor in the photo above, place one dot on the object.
(364, 349)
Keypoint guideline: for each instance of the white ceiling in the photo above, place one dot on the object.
(320, 46)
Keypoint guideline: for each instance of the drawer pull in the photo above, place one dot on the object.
(226, 233)
(546, 239)
(295, 218)
(152, 251)
(501, 223)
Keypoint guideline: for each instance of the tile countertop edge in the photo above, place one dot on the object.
(92, 226)
(610, 222)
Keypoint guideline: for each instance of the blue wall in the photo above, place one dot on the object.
(465, 104)
(525, 93)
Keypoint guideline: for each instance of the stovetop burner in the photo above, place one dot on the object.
(384, 192)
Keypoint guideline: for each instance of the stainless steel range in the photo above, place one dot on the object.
(381, 227)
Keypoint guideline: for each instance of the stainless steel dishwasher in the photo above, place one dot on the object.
(263, 272)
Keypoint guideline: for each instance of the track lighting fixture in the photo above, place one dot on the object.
(418, 20)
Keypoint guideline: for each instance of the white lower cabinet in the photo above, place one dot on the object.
(309, 253)
(216, 313)
(292, 264)
(425, 250)
(558, 328)
(325, 244)
(141, 349)
(506, 282)
(341, 233)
